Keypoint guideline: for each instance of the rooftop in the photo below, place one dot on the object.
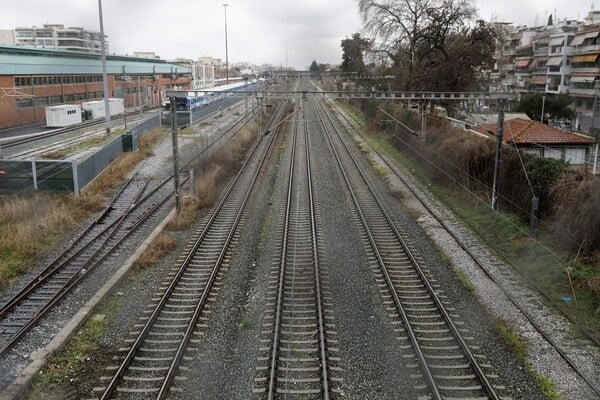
(523, 131)
(20, 60)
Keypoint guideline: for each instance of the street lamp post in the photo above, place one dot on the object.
(543, 103)
(104, 72)
(226, 51)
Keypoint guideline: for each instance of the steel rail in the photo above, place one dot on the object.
(126, 362)
(321, 318)
(55, 264)
(282, 270)
(483, 269)
(90, 263)
(45, 135)
(448, 320)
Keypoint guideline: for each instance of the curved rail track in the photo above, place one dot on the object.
(133, 206)
(152, 361)
(295, 329)
(473, 251)
(447, 366)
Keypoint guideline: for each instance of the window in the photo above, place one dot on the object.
(575, 156)
(41, 101)
(535, 152)
(23, 81)
(589, 105)
(554, 153)
(26, 102)
(55, 99)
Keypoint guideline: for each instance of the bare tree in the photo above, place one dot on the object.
(410, 30)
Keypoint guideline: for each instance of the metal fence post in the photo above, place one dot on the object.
(75, 177)
(174, 143)
(34, 174)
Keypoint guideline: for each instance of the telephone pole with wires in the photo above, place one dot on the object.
(498, 160)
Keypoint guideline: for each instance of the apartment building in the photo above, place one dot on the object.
(54, 36)
(533, 59)
(585, 72)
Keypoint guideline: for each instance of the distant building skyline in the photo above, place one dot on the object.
(54, 36)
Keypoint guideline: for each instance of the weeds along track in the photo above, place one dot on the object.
(531, 308)
(150, 364)
(137, 204)
(444, 364)
(297, 337)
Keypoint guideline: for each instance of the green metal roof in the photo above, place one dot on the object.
(19, 60)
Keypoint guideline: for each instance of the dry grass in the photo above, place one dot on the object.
(212, 173)
(32, 224)
(161, 246)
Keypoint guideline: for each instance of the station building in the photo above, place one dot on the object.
(34, 78)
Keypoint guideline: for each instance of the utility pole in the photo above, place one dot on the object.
(104, 72)
(498, 161)
(174, 143)
(543, 103)
(226, 51)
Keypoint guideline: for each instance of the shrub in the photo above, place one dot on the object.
(576, 210)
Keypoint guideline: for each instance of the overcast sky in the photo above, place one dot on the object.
(258, 30)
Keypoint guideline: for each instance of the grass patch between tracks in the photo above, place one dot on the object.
(64, 374)
(211, 174)
(159, 247)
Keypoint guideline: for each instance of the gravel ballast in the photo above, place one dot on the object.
(223, 362)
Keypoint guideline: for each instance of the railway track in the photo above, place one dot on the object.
(505, 282)
(444, 363)
(151, 363)
(135, 205)
(9, 144)
(298, 337)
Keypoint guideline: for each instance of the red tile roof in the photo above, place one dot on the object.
(523, 131)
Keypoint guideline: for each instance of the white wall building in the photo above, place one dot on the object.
(54, 36)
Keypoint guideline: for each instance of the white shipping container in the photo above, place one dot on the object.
(63, 115)
(96, 107)
(116, 106)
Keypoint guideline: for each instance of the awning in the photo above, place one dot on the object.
(557, 41)
(580, 38)
(542, 40)
(554, 61)
(521, 63)
(588, 58)
(582, 79)
(539, 80)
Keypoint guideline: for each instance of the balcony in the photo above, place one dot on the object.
(582, 49)
(582, 92)
(594, 70)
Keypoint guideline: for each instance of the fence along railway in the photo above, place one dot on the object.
(445, 366)
(153, 360)
(298, 336)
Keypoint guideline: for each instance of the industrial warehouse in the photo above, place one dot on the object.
(32, 79)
